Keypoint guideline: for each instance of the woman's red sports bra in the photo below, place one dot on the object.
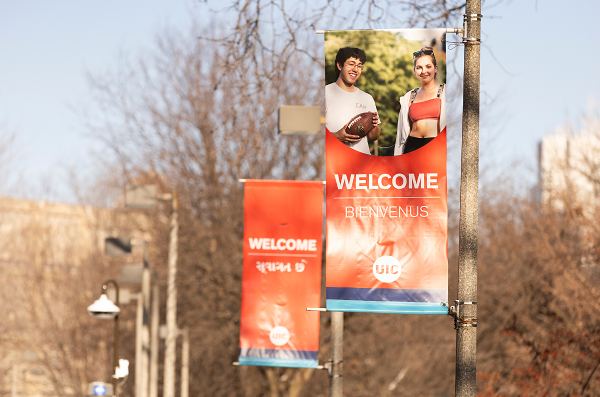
(426, 110)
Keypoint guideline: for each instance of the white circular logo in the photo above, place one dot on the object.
(279, 335)
(387, 269)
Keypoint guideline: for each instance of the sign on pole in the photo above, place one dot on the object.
(282, 273)
(387, 214)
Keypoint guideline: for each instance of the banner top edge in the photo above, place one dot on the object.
(381, 30)
(278, 181)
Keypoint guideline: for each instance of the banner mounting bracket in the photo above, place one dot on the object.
(463, 32)
(465, 321)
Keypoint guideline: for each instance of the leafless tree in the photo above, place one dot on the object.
(184, 121)
(283, 29)
(198, 113)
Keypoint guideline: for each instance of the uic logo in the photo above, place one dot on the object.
(279, 335)
(387, 269)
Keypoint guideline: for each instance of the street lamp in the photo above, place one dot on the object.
(119, 246)
(104, 308)
(146, 196)
(306, 120)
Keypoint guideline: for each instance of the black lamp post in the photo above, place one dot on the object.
(104, 308)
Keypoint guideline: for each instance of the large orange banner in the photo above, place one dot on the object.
(387, 222)
(282, 273)
(387, 214)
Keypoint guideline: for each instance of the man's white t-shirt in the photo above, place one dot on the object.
(341, 106)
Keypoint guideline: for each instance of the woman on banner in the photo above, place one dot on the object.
(422, 110)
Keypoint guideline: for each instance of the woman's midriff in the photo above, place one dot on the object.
(424, 129)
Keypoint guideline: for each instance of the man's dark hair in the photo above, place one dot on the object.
(348, 52)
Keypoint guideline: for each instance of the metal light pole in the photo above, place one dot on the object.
(307, 120)
(337, 354)
(119, 246)
(171, 339)
(146, 197)
(105, 309)
(145, 334)
(115, 380)
(335, 365)
(142, 336)
(466, 305)
(15, 380)
(154, 341)
(185, 362)
(139, 346)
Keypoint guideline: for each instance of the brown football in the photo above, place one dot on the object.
(361, 124)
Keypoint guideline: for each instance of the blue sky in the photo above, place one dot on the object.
(547, 48)
(47, 48)
(554, 67)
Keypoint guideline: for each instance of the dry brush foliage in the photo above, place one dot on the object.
(538, 294)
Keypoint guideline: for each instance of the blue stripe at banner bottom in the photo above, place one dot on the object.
(280, 354)
(277, 362)
(335, 305)
(429, 295)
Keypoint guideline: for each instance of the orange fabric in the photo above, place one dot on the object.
(426, 110)
(369, 217)
(282, 263)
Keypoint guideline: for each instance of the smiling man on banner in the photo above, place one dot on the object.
(343, 100)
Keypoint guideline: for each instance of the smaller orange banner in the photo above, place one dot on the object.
(282, 273)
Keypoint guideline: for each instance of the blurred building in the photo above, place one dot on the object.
(569, 168)
(51, 260)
